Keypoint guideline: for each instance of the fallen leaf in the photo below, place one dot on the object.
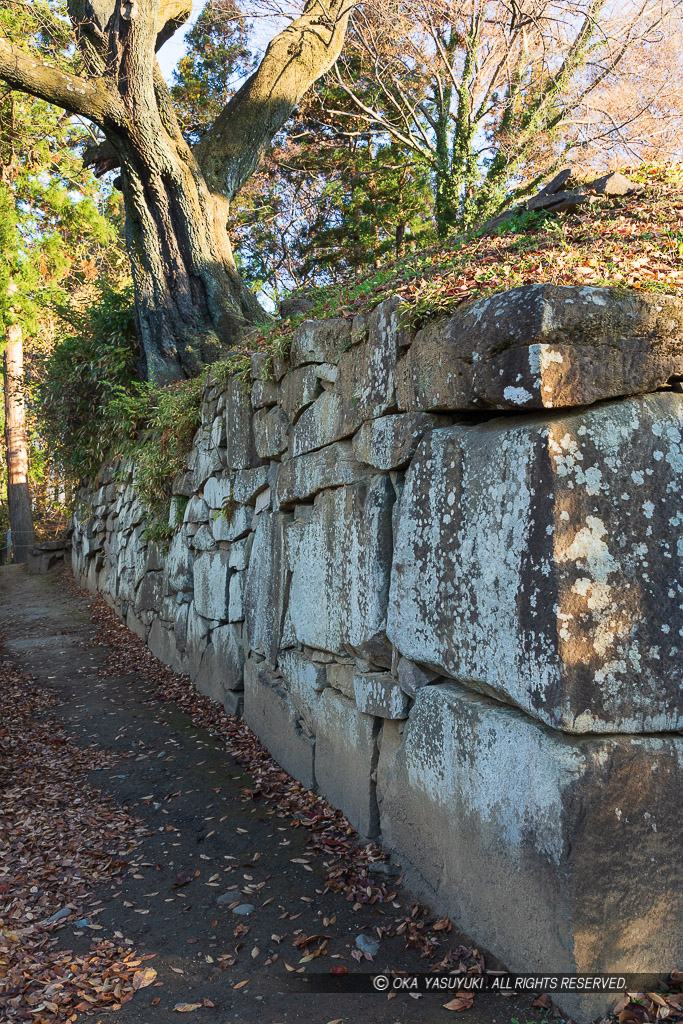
(461, 1002)
(144, 978)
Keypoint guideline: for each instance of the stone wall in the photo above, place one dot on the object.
(440, 575)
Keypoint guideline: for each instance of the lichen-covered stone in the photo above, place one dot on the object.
(248, 483)
(366, 378)
(240, 446)
(211, 584)
(378, 693)
(539, 560)
(319, 425)
(319, 342)
(340, 561)
(346, 758)
(265, 596)
(557, 850)
(300, 478)
(271, 428)
(391, 441)
(545, 346)
(180, 563)
(217, 491)
(298, 389)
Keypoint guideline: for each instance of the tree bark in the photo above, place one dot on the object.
(191, 303)
(16, 445)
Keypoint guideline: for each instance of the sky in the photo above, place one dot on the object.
(171, 52)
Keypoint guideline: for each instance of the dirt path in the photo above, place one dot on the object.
(190, 792)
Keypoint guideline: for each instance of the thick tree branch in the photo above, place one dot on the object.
(294, 60)
(89, 99)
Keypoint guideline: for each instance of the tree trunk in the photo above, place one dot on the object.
(18, 496)
(191, 303)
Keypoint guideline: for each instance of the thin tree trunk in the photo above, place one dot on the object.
(18, 496)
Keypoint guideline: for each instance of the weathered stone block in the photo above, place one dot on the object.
(412, 677)
(203, 539)
(378, 693)
(304, 681)
(346, 759)
(239, 553)
(240, 447)
(366, 381)
(319, 341)
(161, 642)
(196, 510)
(236, 597)
(391, 441)
(436, 372)
(221, 668)
(320, 424)
(264, 393)
(272, 716)
(340, 561)
(271, 427)
(545, 346)
(248, 483)
(265, 596)
(553, 853)
(340, 676)
(204, 459)
(298, 479)
(217, 491)
(211, 583)
(298, 389)
(232, 522)
(150, 593)
(536, 560)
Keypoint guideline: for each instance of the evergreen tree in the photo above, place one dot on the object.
(53, 237)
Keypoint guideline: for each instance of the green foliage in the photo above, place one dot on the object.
(88, 397)
(171, 417)
(93, 409)
(218, 55)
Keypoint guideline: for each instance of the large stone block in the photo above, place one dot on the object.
(340, 560)
(180, 563)
(545, 346)
(271, 427)
(366, 381)
(218, 491)
(272, 716)
(391, 441)
(539, 560)
(221, 668)
(299, 479)
(211, 584)
(298, 389)
(304, 681)
(240, 445)
(558, 855)
(265, 592)
(346, 759)
(320, 424)
(319, 341)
